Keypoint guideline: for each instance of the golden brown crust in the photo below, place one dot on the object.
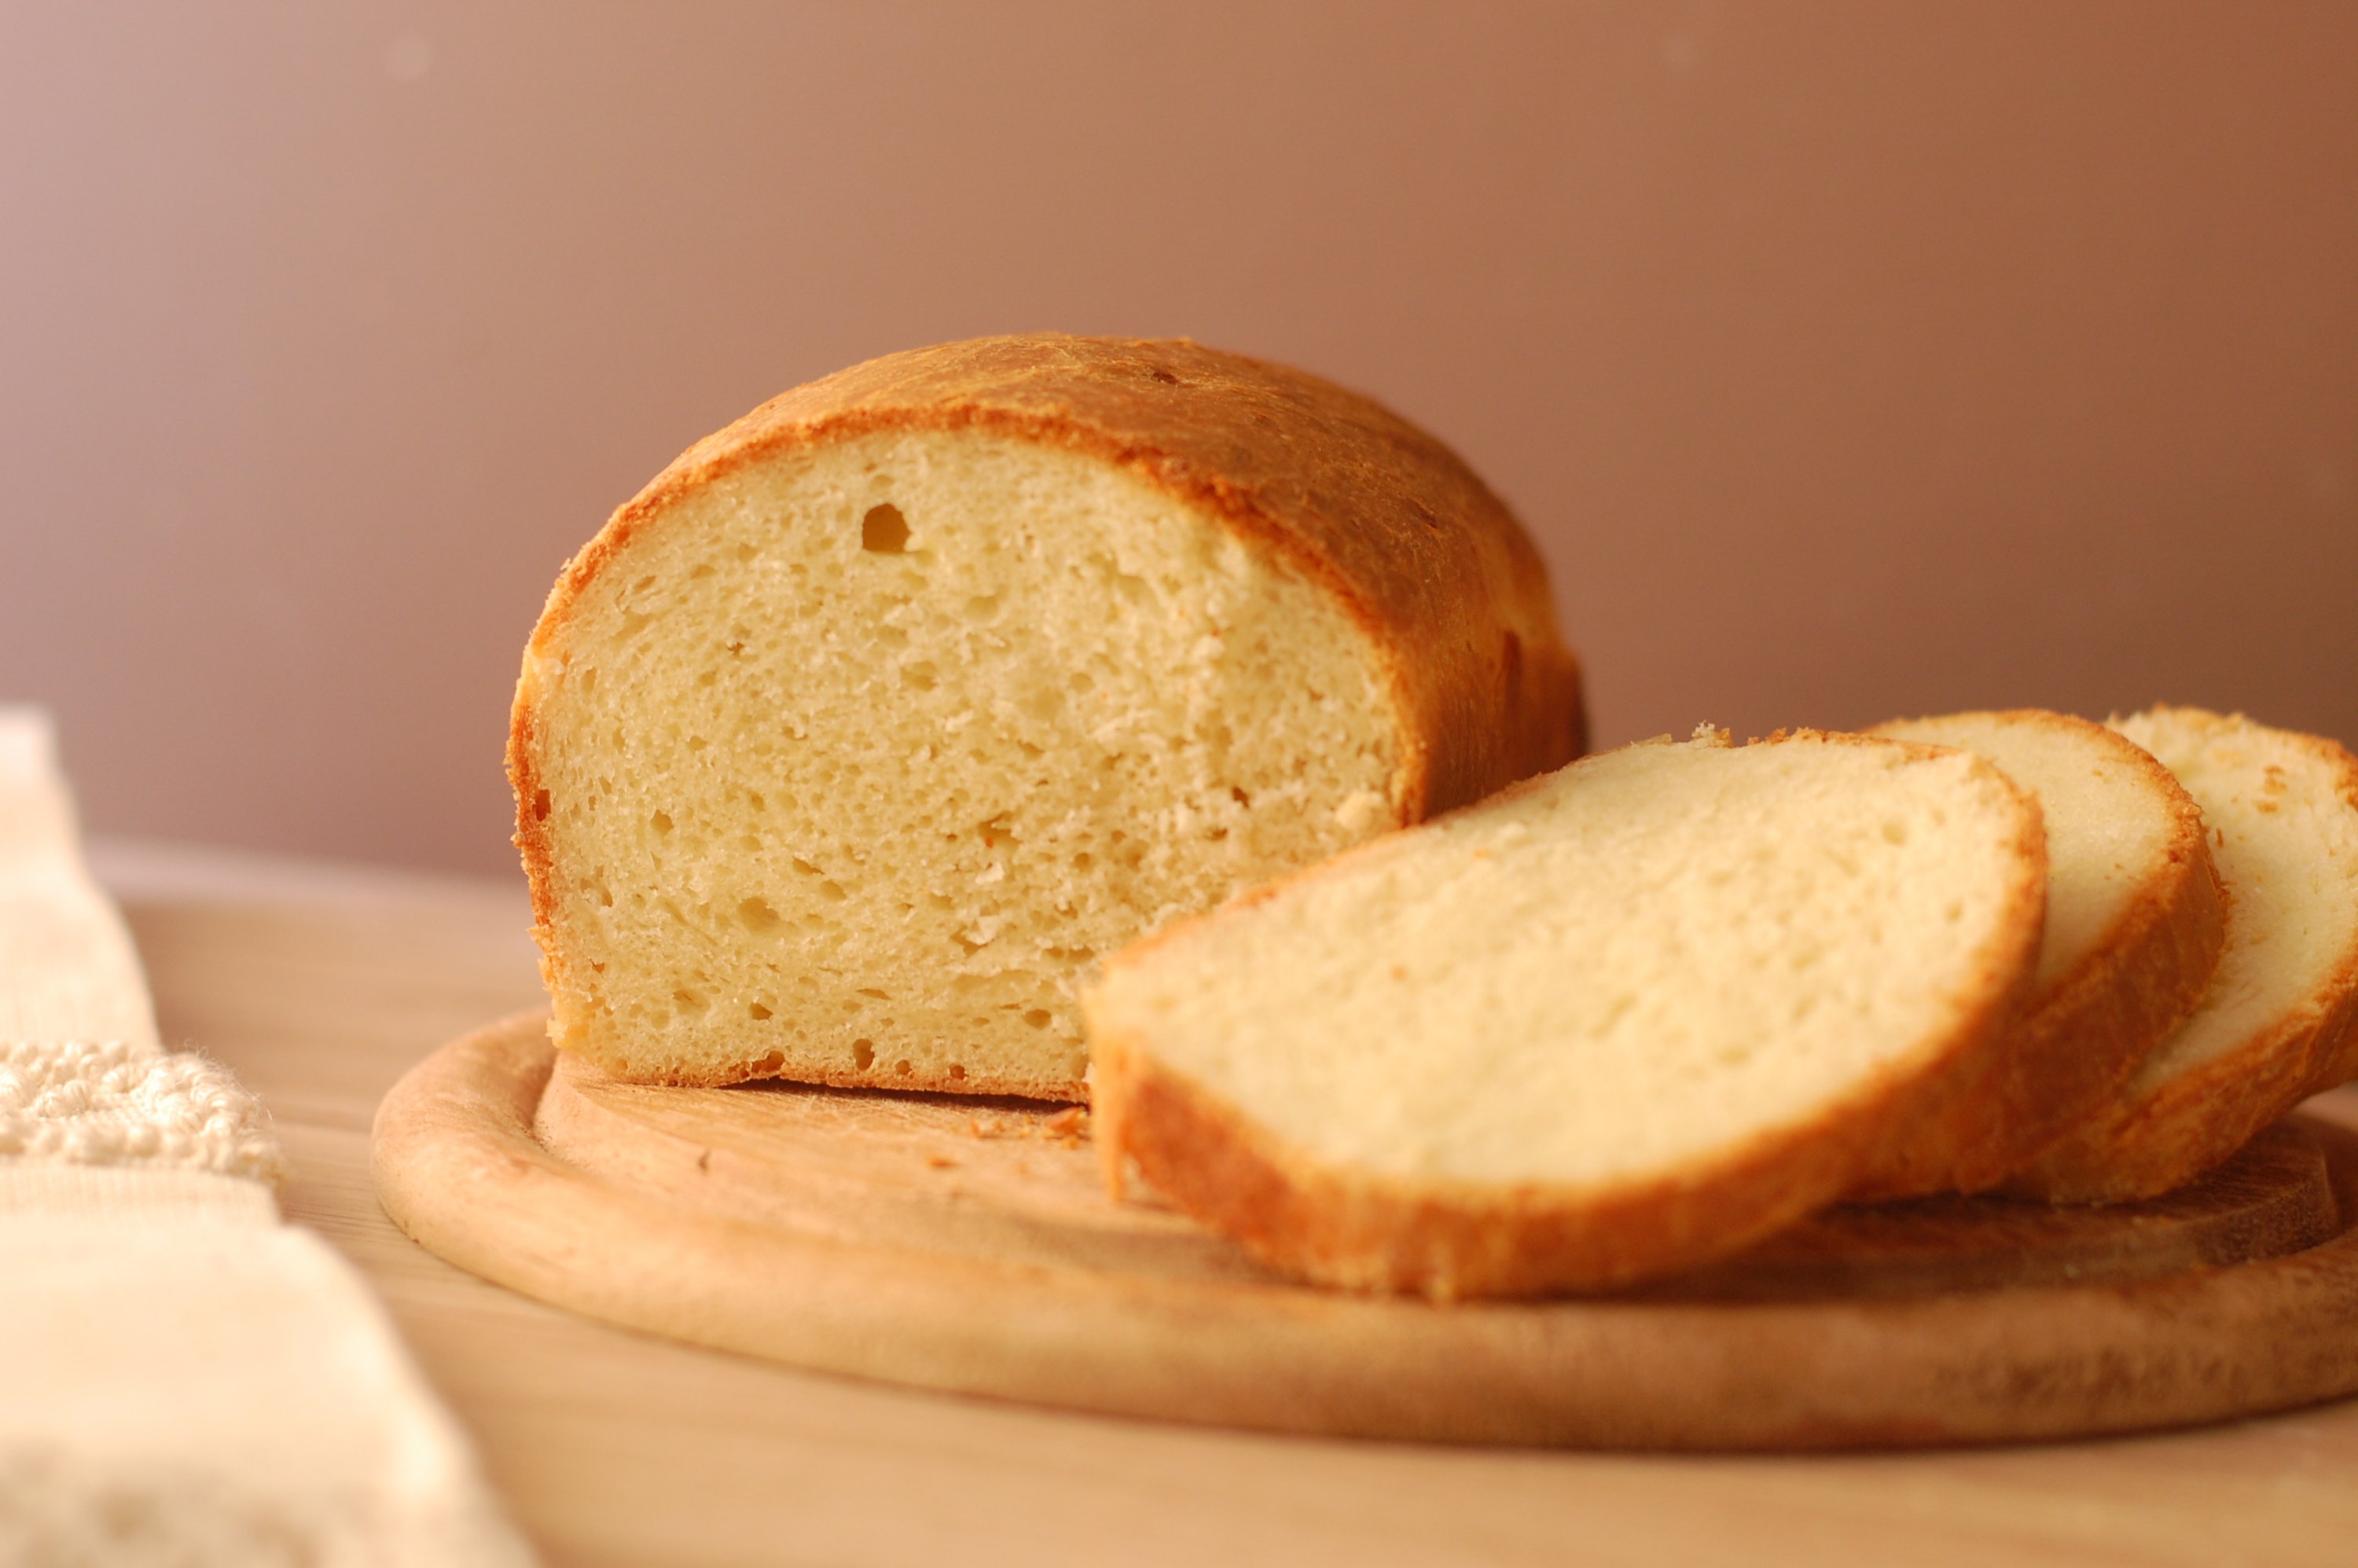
(2334, 1053)
(2076, 1045)
(2144, 1147)
(773, 1065)
(1423, 557)
(1362, 1230)
(2140, 1147)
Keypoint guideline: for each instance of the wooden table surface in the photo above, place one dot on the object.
(320, 985)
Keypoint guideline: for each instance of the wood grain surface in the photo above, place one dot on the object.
(321, 985)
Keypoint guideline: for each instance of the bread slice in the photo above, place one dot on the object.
(2278, 1021)
(1619, 1019)
(2135, 923)
(844, 749)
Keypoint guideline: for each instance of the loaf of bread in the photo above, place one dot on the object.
(2280, 1018)
(846, 747)
(2135, 924)
(1619, 1019)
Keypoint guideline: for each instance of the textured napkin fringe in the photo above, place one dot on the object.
(184, 1381)
(117, 1103)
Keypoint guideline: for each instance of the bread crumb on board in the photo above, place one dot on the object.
(1069, 1127)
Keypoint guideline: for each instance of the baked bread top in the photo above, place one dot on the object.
(1615, 1020)
(847, 745)
(1383, 515)
(2277, 1022)
(2135, 923)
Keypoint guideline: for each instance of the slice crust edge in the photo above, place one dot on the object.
(2139, 1145)
(2078, 1044)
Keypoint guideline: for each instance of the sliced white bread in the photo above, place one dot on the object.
(844, 749)
(1619, 1019)
(2278, 1020)
(2135, 924)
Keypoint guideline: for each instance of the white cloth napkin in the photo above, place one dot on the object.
(184, 1380)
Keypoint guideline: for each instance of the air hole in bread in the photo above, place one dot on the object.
(759, 1012)
(756, 917)
(660, 822)
(863, 1054)
(884, 532)
(1038, 1018)
(540, 806)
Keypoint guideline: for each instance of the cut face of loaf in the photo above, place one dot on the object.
(846, 750)
(2135, 923)
(1618, 1021)
(2277, 1022)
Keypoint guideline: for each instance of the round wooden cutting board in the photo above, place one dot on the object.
(968, 1246)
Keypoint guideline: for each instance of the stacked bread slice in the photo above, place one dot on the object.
(2279, 1020)
(1619, 1019)
(1642, 1012)
(2135, 924)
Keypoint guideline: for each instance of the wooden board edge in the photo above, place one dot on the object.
(457, 1168)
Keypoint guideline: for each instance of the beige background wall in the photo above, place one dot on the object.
(1848, 358)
